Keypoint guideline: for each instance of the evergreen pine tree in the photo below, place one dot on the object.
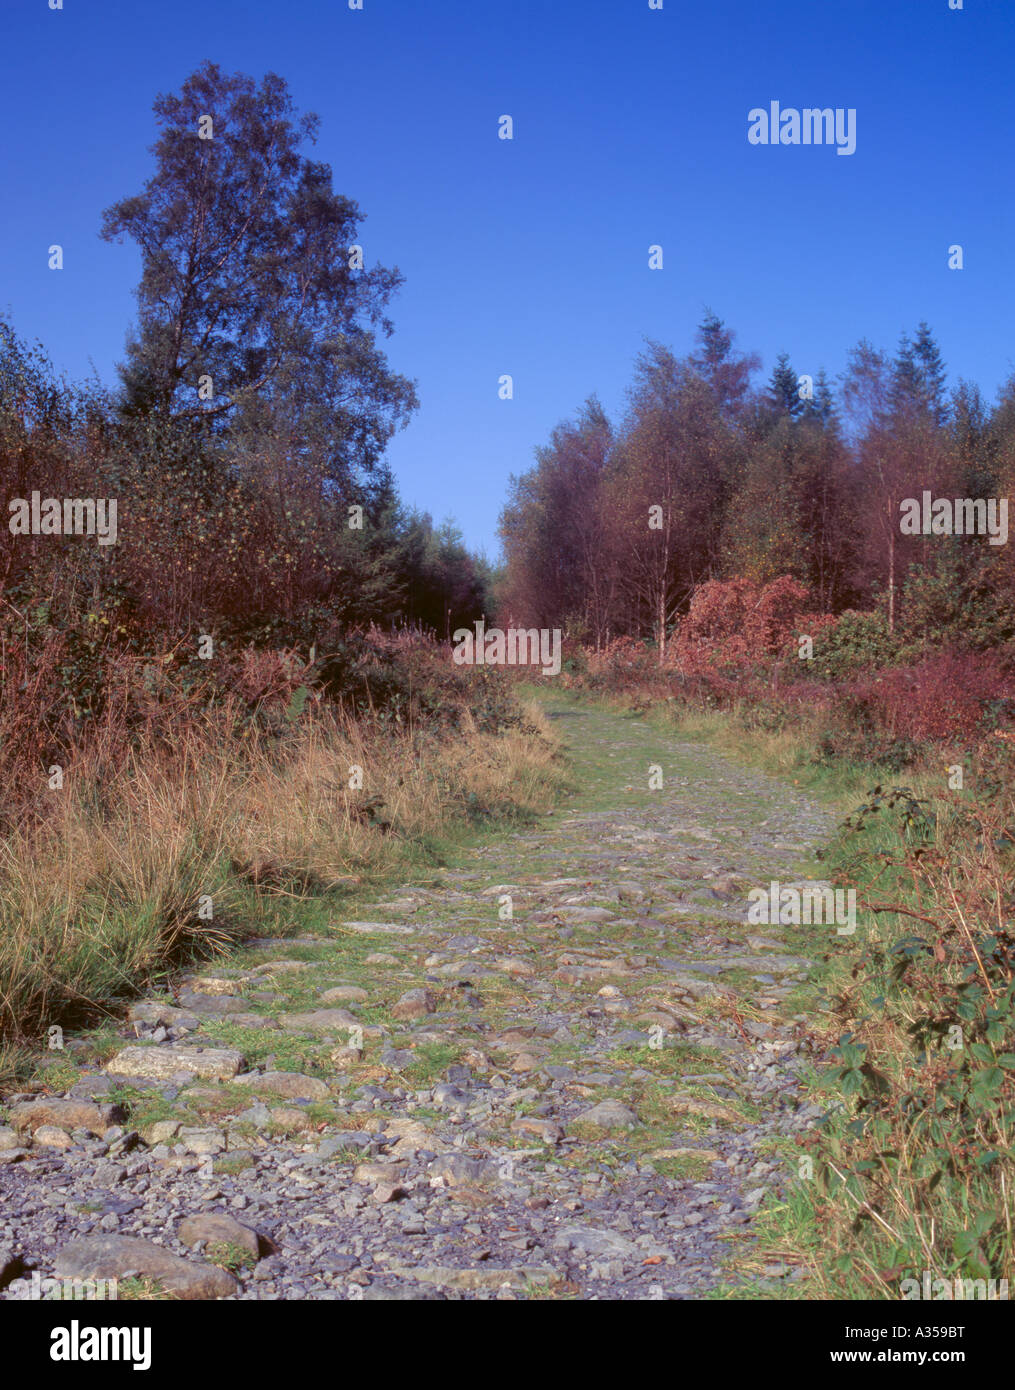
(931, 374)
(783, 391)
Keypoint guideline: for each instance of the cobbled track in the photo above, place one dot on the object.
(441, 1101)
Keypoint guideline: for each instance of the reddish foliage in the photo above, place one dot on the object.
(737, 650)
(739, 623)
(941, 698)
(620, 654)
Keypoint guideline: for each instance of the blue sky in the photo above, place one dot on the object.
(530, 257)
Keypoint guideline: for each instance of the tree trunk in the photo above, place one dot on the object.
(891, 567)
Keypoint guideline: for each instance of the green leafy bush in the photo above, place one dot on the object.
(857, 642)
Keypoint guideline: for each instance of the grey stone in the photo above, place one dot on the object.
(414, 1003)
(609, 1114)
(592, 1241)
(64, 1114)
(211, 1063)
(397, 1057)
(455, 1170)
(154, 1013)
(449, 1097)
(116, 1257)
(381, 928)
(217, 1228)
(290, 1085)
(344, 1139)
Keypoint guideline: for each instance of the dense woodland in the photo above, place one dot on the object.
(753, 482)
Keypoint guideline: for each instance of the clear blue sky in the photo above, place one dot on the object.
(530, 257)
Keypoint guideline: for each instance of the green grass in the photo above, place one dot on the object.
(429, 1062)
(229, 1256)
(141, 1289)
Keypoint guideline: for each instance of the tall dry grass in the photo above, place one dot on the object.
(105, 891)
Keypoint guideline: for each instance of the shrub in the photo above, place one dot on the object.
(856, 642)
(738, 624)
(915, 1160)
(942, 699)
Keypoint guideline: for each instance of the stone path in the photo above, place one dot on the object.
(439, 1099)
